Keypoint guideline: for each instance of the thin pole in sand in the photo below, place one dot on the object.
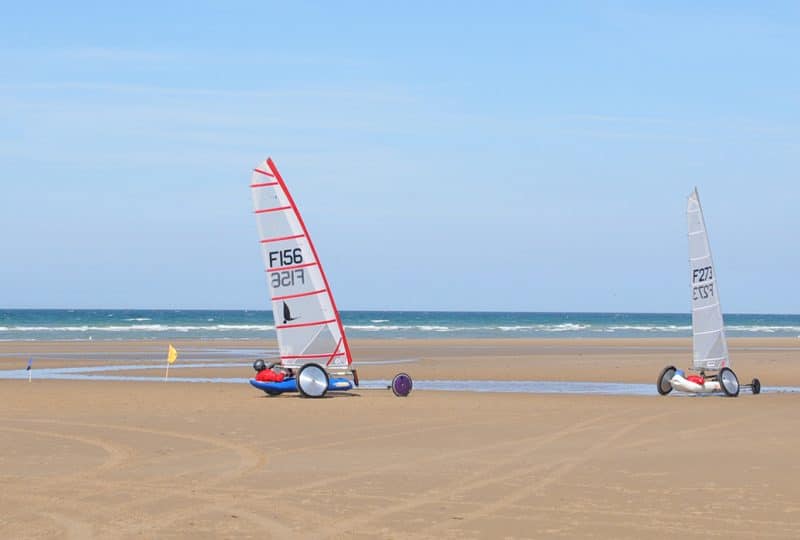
(172, 355)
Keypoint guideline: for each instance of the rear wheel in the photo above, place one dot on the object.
(756, 386)
(312, 381)
(729, 382)
(402, 384)
(663, 385)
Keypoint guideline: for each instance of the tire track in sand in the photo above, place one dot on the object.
(474, 480)
(116, 454)
(558, 470)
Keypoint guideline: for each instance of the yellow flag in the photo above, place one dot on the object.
(172, 355)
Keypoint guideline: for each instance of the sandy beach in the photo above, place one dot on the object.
(102, 459)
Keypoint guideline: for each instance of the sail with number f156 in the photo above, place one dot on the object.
(307, 322)
(709, 345)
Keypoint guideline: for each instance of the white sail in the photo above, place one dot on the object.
(709, 345)
(307, 322)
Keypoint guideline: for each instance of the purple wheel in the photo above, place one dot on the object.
(402, 385)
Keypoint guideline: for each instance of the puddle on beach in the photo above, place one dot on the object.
(100, 373)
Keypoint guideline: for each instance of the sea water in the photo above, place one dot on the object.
(59, 324)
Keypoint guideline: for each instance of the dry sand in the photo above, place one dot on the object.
(92, 459)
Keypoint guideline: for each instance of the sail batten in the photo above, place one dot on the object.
(307, 322)
(709, 345)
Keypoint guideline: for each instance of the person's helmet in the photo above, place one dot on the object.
(259, 365)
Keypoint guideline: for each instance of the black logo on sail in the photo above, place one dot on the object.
(287, 314)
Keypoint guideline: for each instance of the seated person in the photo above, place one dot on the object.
(269, 374)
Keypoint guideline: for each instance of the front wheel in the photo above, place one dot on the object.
(729, 382)
(663, 385)
(312, 381)
(756, 386)
(402, 384)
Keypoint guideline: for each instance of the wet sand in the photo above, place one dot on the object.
(84, 459)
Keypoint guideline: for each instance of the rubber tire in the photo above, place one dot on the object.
(722, 384)
(397, 390)
(756, 387)
(660, 382)
(303, 391)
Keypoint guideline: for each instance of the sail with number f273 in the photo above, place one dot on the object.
(710, 349)
(307, 322)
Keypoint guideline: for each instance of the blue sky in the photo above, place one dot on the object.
(515, 156)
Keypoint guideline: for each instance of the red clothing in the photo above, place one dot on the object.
(696, 379)
(267, 375)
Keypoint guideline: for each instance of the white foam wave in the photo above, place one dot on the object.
(566, 327)
(139, 328)
(139, 319)
(765, 329)
(646, 328)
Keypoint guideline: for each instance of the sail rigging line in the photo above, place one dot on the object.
(309, 356)
(297, 295)
(265, 173)
(276, 209)
(291, 267)
(305, 324)
(339, 344)
(265, 184)
(277, 175)
(709, 306)
(281, 238)
(707, 332)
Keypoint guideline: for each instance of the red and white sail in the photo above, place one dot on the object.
(710, 348)
(307, 322)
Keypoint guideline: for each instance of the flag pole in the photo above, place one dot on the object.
(172, 355)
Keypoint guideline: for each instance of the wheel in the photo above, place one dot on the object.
(402, 385)
(729, 382)
(312, 381)
(663, 385)
(756, 386)
(272, 392)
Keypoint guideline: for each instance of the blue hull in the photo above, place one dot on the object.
(338, 384)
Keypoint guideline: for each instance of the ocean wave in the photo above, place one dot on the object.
(396, 327)
(138, 328)
(765, 329)
(565, 327)
(401, 326)
(645, 328)
(410, 327)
